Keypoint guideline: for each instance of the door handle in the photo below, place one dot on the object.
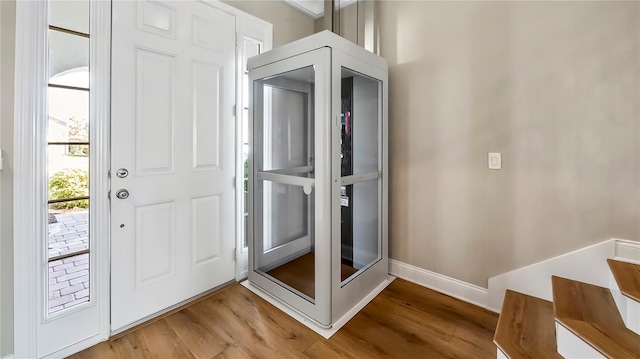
(122, 194)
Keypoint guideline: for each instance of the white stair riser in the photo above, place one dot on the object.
(632, 319)
(501, 355)
(570, 346)
(629, 309)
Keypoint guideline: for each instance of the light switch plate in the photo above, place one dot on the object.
(495, 161)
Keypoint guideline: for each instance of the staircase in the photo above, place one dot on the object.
(583, 321)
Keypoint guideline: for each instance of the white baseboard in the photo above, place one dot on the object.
(587, 264)
(450, 286)
(9, 356)
(628, 250)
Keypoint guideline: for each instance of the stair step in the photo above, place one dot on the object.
(590, 313)
(526, 327)
(627, 275)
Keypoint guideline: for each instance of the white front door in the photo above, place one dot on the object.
(173, 131)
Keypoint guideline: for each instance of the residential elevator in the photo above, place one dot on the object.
(318, 175)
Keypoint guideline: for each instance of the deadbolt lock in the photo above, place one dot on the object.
(122, 172)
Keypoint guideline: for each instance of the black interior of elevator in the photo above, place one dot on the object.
(346, 159)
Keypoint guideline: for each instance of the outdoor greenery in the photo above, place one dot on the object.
(246, 175)
(78, 131)
(69, 183)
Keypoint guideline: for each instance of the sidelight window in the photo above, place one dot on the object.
(251, 48)
(68, 146)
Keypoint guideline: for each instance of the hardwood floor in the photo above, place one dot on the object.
(300, 274)
(404, 321)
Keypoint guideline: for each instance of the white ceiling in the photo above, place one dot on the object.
(315, 8)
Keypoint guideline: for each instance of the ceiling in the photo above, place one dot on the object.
(315, 8)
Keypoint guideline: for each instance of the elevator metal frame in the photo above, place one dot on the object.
(329, 55)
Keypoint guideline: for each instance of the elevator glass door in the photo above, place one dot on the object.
(359, 218)
(288, 187)
(285, 171)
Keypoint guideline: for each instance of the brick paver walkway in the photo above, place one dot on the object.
(69, 277)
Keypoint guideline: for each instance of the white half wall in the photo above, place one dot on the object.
(587, 265)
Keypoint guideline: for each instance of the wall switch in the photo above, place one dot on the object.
(495, 161)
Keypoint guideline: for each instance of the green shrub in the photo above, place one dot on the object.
(246, 175)
(69, 183)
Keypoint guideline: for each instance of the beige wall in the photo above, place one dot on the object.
(7, 31)
(554, 87)
(348, 18)
(289, 24)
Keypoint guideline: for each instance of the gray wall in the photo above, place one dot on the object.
(554, 87)
(7, 46)
(289, 24)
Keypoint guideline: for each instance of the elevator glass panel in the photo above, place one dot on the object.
(360, 170)
(283, 196)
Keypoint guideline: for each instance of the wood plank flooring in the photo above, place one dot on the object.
(300, 274)
(404, 321)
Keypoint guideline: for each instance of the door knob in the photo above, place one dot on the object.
(122, 194)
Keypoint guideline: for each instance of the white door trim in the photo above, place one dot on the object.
(100, 112)
(30, 196)
(30, 105)
(247, 26)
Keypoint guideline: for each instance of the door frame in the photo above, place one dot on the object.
(30, 107)
(30, 196)
(261, 31)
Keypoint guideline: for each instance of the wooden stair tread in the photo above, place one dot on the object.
(526, 327)
(589, 312)
(627, 275)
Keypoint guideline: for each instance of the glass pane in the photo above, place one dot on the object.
(75, 77)
(284, 122)
(283, 235)
(68, 282)
(68, 115)
(68, 228)
(67, 52)
(286, 213)
(246, 231)
(68, 171)
(70, 14)
(360, 123)
(360, 226)
(251, 49)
